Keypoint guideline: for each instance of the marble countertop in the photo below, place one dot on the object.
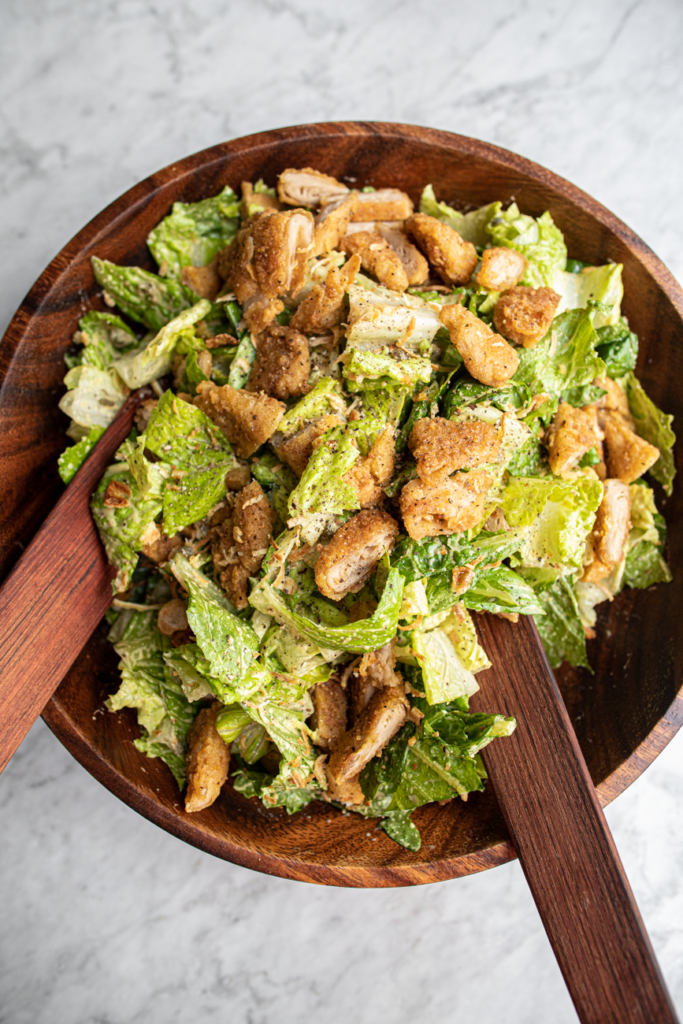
(105, 917)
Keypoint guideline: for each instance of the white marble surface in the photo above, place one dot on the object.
(104, 917)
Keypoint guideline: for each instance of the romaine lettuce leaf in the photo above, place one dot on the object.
(94, 396)
(193, 671)
(72, 458)
(618, 346)
(501, 590)
(644, 565)
(198, 456)
(444, 675)
(601, 284)
(365, 369)
(538, 240)
(244, 359)
(321, 489)
(104, 337)
(560, 626)
(459, 626)
(193, 233)
(324, 398)
(277, 480)
(655, 426)
(565, 358)
(138, 368)
(145, 297)
(470, 226)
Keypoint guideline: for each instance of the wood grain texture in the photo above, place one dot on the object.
(621, 714)
(564, 845)
(49, 607)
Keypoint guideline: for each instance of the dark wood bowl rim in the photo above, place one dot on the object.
(77, 743)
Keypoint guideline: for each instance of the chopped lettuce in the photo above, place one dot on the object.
(94, 396)
(618, 347)
(444, 675)
(378, 369)
(104, 337)
(324, 398)
(138, 368)
(644, 565)
(72, 458)
(145, 297)
(601, 284)
(501, 590)
(655, 426)
(538, 240)
(321, 489)
(470, 226)
(565, 358)
(560, 626)
(193, 233)
(244, 359)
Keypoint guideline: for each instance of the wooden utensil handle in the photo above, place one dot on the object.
(564, 844)
(49, 608)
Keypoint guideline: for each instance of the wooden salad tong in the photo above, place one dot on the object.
(60, 589)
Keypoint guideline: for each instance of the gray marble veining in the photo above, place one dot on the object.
(104, 917)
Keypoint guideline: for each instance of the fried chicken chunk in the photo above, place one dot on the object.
(329, 709)
(414, 264)
(454, 505)
(206, 761)
(628, 456)
(332, 223)
(157, 546)
(525, 314)
(246, 419)
(323, 307)
(486, 355)
(384, 204)
(351, 556)
(240, 539)
(378, 258)
(572, 433)
(306, 187)
(501, 268)
(297, 450)
(282, 363)
(204, 281)
(383, 717)
(612, 523)
(614, 400)
(441, 446)
(370, 475)
(451, 257)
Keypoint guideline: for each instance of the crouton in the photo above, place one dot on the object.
(500, 269)
(370, 475)
(383, 204)
(486, 355)
(323, 307)
(524, 315)
(628, 456)
(352, 555)
(454, 505)
(572, 433)
(612, 524)
(206, 761)
(246, 419)
(451, 257)
(157, 546)
(306, 187)
(441, 446)
(282, 364)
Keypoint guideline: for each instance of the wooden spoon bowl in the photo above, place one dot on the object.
(623, 715)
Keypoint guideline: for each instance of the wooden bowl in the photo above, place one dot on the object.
(624, 714)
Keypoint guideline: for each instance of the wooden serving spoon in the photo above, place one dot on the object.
(59, 591)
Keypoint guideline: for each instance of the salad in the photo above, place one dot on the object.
(365, 423)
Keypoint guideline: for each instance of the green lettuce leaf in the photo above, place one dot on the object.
(618, 347)
(72, 458)
(644, 565)
(138, 368)
(470, 226)
(538, 240)
(321, 489)
(244, 359)
(145, 297)
(193, 672)
(501, 590)
(198, 456)
(565, 358)
(560, 626)
(324, 398)
(601, 284)
(444, 675)
(94, 396)
(277, 480)
(365, 369)
(655, 426)
(104, 337)
(193, 233)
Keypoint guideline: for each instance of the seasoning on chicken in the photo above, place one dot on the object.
(332, 223)
(204, 281)
(628, 456)
(347, 792)
(246, 419)
(612, 524)
(352, 555)
(323, 307)
(306, 187)
(378, 667)
(370, 475)
(378, 258)
(383, 717)
(441, 446)
(256, 202)
(454, 505)
(500, 269)
(240, 539)
(297, 450)
(383, 204)
(414, 264)
(329, 713)
(282, 364)
(572, 433)
(206, 761)
(451, 257)
(524, 315)
(487, 356)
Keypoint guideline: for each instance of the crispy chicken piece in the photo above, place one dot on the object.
(441, 446)
(351, 556)
(254, 202)
(612, 523)
(246, 419)
(359, 690)
(370, 475)
(414, 263)
(157, 546)
(384, 204)
(347, 792)
(525, 314)
(378, 258)
(282, 363)
(240, 539)
(487, 356)
(297, 450)
(378, 667)
(237, 478)
(383, 717)
(454, 505)
(451, 257)
(628, 456)
(500, 269)
(332, 223)
(306, 187)
(204, 281)
(572, 433)
(614, 401)
(323, 307)
(329, 704)
(206, 761)
(362, 609)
